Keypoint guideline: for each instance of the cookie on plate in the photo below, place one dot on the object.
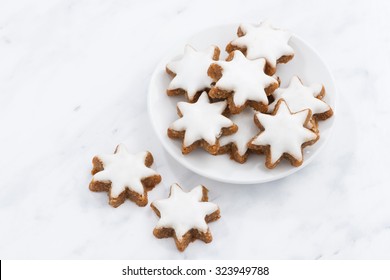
(283, 135)
(263, 41)
(242, 81)
(299, 97)
(184, 216)
(237, 144)
(190, 72)
(201, 124)
(123, 176)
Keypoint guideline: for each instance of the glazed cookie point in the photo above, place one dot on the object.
(124, 175)
(184, 216)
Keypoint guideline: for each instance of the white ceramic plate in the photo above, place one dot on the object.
(307, 64)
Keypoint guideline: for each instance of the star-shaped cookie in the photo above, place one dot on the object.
(190, 72)
(237, 144)
(184, 216)
(299, 97)
(284, 134)
(201, 124)
(242, 81)
(124, 175)
(263, 41)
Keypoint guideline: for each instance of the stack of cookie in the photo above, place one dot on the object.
(236, 106)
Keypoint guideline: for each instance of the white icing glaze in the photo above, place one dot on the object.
(201, 120)
(299, 97)
(184, 211)
(284, 132)
(264, 41)
(191, 70)
(246, 131)
(246, 78)
(124, 170)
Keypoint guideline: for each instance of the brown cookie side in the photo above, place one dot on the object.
(231, 48)
(232, 150)
(216, 54)
(97, 165)
(325, 115)
(285, 58)
(150, 182)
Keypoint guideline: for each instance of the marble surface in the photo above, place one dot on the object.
(73, 83)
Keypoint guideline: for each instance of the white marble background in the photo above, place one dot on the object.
(73, 83)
